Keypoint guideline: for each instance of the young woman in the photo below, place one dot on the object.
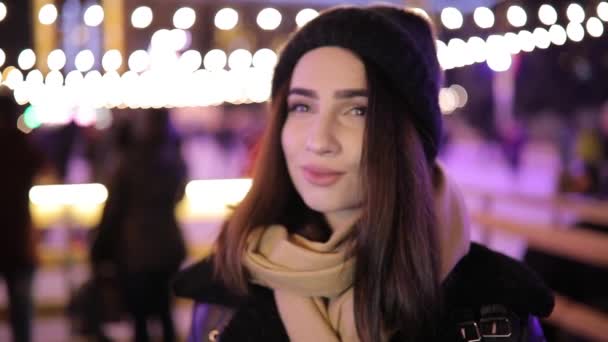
(351, 230)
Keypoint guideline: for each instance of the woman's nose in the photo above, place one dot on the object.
(321, 138)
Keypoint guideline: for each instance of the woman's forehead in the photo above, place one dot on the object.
(329, 68)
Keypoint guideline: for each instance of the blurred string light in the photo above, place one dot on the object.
(111, 60)
(451, 18)
(93, 16)
(542, 39)
(22, 126)
(517, 16)
(31, 118)
(139, 60)
(84, 60)
(2, 57)
(249, 78)
(575, 13)
(602, 10)
(34, 78)
(595, 27)
(269, 19)
(184, 18)
(558, 35)
(305, 15)
(142, 17)
(226, 18)
(13, 78)
(575, 32)
(47, 14)
(26, 59)
(56, 59)
(190, 60)
(264, 59)
(547, 14)
(54, 79)
(240, 59)
(2, 11)
(215, 60)
(484, 17)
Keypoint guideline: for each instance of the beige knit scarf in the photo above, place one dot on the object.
(312, 281)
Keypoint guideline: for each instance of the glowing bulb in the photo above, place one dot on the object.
(451, 18)
(84, 60)
(448, 101)
(93, 16)
(305, 15)
(191, 60)
(2, 11)
(462, 95)
(34, 78)
(269, 19)
(26, 59)
(595, 27)
(558, 35)
(74, 78)
(179, 39)
(575, 13)
(547, 14)
(215, 60)
(499, 62)
(575, 32)
(477, 48)
(56, 59)
(47, 14)
(264, 59)
(54, 79)
(512, 41)
(2, 57)
(484, 17)
(184, 18)
(240, 59)
(526, 41)
(542, 38)
(139, 61)
(226, 18)
(142, 17)
(602, 10)
(14, 78)
(517, 16)
(112, 60)
(443, 55)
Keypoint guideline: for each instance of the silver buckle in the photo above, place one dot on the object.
(494, 325)
(464, 333)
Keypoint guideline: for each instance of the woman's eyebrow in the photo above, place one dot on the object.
(348, 93)
(339, 94)
(303, 92)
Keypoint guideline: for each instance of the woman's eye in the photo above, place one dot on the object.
(359, 111)
(298, 107)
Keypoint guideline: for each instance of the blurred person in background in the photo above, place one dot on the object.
(138, 236)
(352, 231)
(21, 162)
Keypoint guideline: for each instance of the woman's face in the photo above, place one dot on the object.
(322, 138)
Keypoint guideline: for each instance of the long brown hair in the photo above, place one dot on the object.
(396, 281)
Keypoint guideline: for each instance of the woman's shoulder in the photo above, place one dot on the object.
(485, 277)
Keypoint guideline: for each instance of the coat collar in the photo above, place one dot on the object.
(480, 278)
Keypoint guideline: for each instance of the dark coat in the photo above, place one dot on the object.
(484, 288)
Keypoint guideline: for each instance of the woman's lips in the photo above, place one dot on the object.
(320, 176)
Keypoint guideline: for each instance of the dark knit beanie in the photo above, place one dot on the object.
(398, 41)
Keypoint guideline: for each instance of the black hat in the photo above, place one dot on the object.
(398, 41)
